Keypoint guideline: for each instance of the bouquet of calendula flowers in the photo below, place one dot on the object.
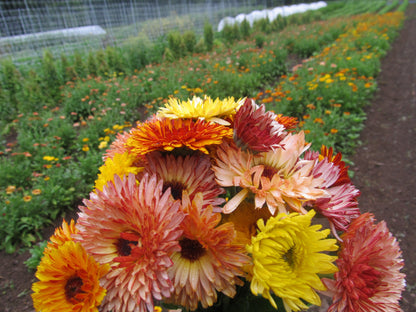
(219, 205)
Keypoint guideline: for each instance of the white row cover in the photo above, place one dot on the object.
(271, 13)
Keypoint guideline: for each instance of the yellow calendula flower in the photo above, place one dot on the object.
(288, 254)
(201, 108)
(120, 164)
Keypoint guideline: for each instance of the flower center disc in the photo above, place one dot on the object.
(191, 249)
(72, 288)
(176, 188)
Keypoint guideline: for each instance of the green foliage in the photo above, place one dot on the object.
(176, 44)
(189, 39)
(259, 38)
(79, 65)
(11, 85)
(208, 36)
(230, 33)
(92, 65)
(245, 29)
(51, 80)
(36, 254)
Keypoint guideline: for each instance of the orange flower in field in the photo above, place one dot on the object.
(369, 263)
(162, 134)
(27, 198)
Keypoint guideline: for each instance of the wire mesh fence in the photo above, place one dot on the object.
(67, 25)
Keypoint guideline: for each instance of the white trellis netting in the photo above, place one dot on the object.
(67, 25)
(271, 14)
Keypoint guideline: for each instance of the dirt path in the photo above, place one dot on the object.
(385, 170)
(385, 166)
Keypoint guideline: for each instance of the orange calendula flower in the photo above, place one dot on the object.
(369, 263)
(288, 122)
(69, 280)
(209, 261)
(27, 198)
(162, 134)
(62, 234)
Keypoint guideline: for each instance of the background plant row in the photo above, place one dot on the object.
(61, 116)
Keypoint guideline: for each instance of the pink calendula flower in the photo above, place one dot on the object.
(369, 263)
(341, 207)
(257, 129)
(135, 229)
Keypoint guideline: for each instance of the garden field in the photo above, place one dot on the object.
(323, 67)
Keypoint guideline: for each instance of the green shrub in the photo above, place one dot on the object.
(176, 44)
(245, 29)
(79, 65)
(92, 65)
(208, 36)
(189, 40)
(259, 40)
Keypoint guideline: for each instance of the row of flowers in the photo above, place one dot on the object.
(207, 198)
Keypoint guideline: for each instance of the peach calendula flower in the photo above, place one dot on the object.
(288, 255)
(256, 129)
(119, 164)
(69, 280)
(201, 108)
(279, 178)
(209, 261)
(369, 262)
(192, 174)
(135, 229)
(162, 134)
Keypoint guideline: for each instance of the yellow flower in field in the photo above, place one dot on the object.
(85, 139)
(288, 254)
(27, 198)
(103, 144)
(69, 280)
(120, 164)
(85, 148)
(48, 158)
(201, 108)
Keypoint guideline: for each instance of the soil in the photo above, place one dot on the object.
(384, 166)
